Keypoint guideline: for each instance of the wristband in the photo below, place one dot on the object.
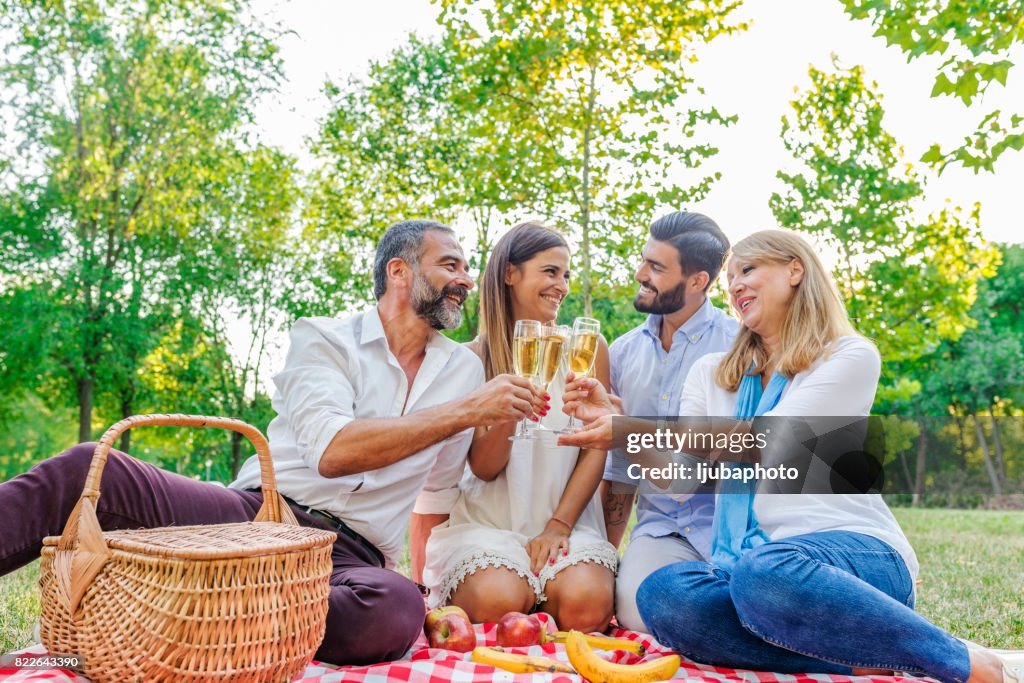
(562, 521)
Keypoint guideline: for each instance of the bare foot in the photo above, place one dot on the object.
(871, 672)
(985, 667)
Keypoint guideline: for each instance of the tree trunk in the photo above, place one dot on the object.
(906, 471)
(922, 452)
(998, 442)
(997, 488)
(85, 387)
(126, 435)
(588, 308)
(962, 439)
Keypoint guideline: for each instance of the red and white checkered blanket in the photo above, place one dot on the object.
(428, 665)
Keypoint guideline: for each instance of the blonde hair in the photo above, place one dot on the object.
(518, 245)
(815, 318)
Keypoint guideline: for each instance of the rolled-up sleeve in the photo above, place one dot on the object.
(317, 391)
(441, 489)
(616, 468)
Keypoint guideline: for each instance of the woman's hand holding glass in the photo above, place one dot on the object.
(538, 351)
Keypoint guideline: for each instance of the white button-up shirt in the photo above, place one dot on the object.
(339, 370)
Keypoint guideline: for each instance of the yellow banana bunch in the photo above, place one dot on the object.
(517, 664)
(601, 642)
(597, 670)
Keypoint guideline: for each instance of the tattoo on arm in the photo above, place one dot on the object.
(615, 511)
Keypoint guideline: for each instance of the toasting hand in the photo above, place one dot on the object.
(588, 400)
(506, 398)
(596, 435)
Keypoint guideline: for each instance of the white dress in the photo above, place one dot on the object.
(492, 521)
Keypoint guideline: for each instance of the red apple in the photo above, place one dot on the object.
(516, 629)
(450, 628)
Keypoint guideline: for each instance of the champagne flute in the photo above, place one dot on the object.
(582, 354)
(553, 342)
(525, 359)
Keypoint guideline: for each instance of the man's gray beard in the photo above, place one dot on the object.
(431, 305)
(664, 303)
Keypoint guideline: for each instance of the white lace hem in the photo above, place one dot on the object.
(598, 553)
(468, 565)
(601, 553)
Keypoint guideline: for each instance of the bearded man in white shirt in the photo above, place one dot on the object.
(375, 413)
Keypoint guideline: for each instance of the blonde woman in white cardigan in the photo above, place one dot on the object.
(804, 583)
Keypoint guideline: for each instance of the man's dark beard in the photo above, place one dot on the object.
(664, 302)
(432, 305)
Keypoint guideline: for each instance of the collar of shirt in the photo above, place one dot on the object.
(436, 354)
(691, 330)
(373, 330)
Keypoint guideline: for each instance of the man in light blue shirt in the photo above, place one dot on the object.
(649, 365)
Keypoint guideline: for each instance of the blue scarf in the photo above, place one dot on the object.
(734, 529)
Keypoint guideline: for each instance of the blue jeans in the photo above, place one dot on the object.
(821, 602)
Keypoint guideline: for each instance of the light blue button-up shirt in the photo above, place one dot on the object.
(650, 382)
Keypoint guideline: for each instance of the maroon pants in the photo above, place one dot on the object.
(374, 615)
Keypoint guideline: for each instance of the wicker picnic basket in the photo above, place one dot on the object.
(224, 602)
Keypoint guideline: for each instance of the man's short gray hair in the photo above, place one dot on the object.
(402, 240)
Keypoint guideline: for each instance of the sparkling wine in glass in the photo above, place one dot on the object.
(526, 341)
(582, 352)
(553, 342)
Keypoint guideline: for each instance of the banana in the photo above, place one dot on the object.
(601, 642)
(597, 670)
(518, 664)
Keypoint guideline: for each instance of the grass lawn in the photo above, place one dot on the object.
(972, 572)
(971, 582)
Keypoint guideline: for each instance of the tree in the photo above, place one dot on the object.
(398, 144)
(260, 289)
(977, 37)
(192, 366)
(586, 114)
(129, 116)
(908, 283)
(29, 431)
(981, 374)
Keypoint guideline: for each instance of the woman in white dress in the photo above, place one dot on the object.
(527, 531)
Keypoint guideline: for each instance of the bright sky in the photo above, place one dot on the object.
(752, 74)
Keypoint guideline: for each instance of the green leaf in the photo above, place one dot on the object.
(933, 156)
(943, 86)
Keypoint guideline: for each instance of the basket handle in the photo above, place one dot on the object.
(82, 551)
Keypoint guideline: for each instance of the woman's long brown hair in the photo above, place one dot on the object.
(518, 245)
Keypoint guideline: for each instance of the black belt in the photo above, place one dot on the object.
(338, 525)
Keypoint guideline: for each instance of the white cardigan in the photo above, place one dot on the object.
(843, 384)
